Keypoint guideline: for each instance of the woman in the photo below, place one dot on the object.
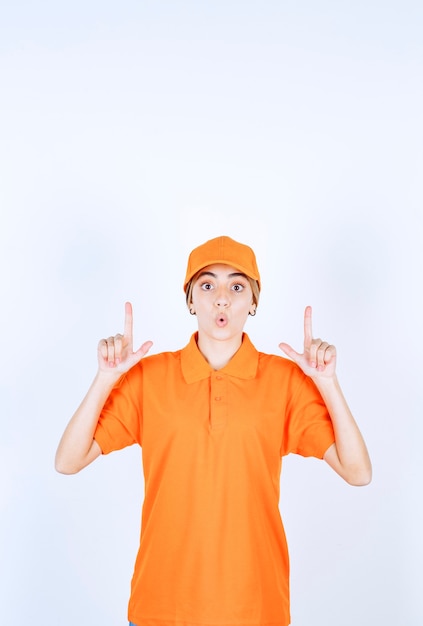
(214, 421)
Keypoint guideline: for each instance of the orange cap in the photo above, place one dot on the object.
(222, 250)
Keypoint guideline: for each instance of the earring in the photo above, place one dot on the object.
(192, 312)
(254, 312)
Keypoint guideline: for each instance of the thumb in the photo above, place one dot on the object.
(137, 356)
(285, 347)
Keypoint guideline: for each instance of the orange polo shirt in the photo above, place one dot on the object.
(213, 549)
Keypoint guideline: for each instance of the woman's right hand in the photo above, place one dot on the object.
(115, 354)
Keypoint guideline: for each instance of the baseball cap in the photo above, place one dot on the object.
(222, 250)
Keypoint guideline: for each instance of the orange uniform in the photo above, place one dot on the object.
(213, 549)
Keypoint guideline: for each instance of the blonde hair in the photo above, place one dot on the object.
(253, 284)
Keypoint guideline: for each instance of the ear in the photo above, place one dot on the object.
(253, 310)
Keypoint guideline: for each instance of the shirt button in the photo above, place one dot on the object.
(218, 378)
(217, 398)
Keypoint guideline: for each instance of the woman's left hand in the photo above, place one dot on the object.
(319, 357)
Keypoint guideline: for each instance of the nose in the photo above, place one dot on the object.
(222, 298)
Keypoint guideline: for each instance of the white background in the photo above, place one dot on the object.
(131, 132)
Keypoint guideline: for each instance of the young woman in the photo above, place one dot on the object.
(214, 421)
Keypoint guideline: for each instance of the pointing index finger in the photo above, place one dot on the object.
(128, 320)
(308, 333)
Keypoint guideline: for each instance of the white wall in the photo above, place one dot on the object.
(131, 132)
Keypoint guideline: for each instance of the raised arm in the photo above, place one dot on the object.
(348, 456)
(77, 447)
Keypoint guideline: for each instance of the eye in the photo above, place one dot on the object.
(206, 286)
(238, 287)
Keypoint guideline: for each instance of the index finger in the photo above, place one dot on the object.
(308, 333)
(128, 319)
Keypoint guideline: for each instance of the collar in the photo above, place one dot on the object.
(243, 364)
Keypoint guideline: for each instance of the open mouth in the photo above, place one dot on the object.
(221, 320)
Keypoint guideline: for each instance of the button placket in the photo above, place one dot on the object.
(218, 401)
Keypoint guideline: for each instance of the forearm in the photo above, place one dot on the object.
(77, 448)
(350, 457)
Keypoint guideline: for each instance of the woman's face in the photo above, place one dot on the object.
(222, 299)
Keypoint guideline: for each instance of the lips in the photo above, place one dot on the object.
(221, 320)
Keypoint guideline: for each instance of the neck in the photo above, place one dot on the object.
(218, 353)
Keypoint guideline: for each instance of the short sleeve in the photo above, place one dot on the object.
(308, 427)
(120, 421)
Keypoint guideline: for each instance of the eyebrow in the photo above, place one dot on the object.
(232, 275)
